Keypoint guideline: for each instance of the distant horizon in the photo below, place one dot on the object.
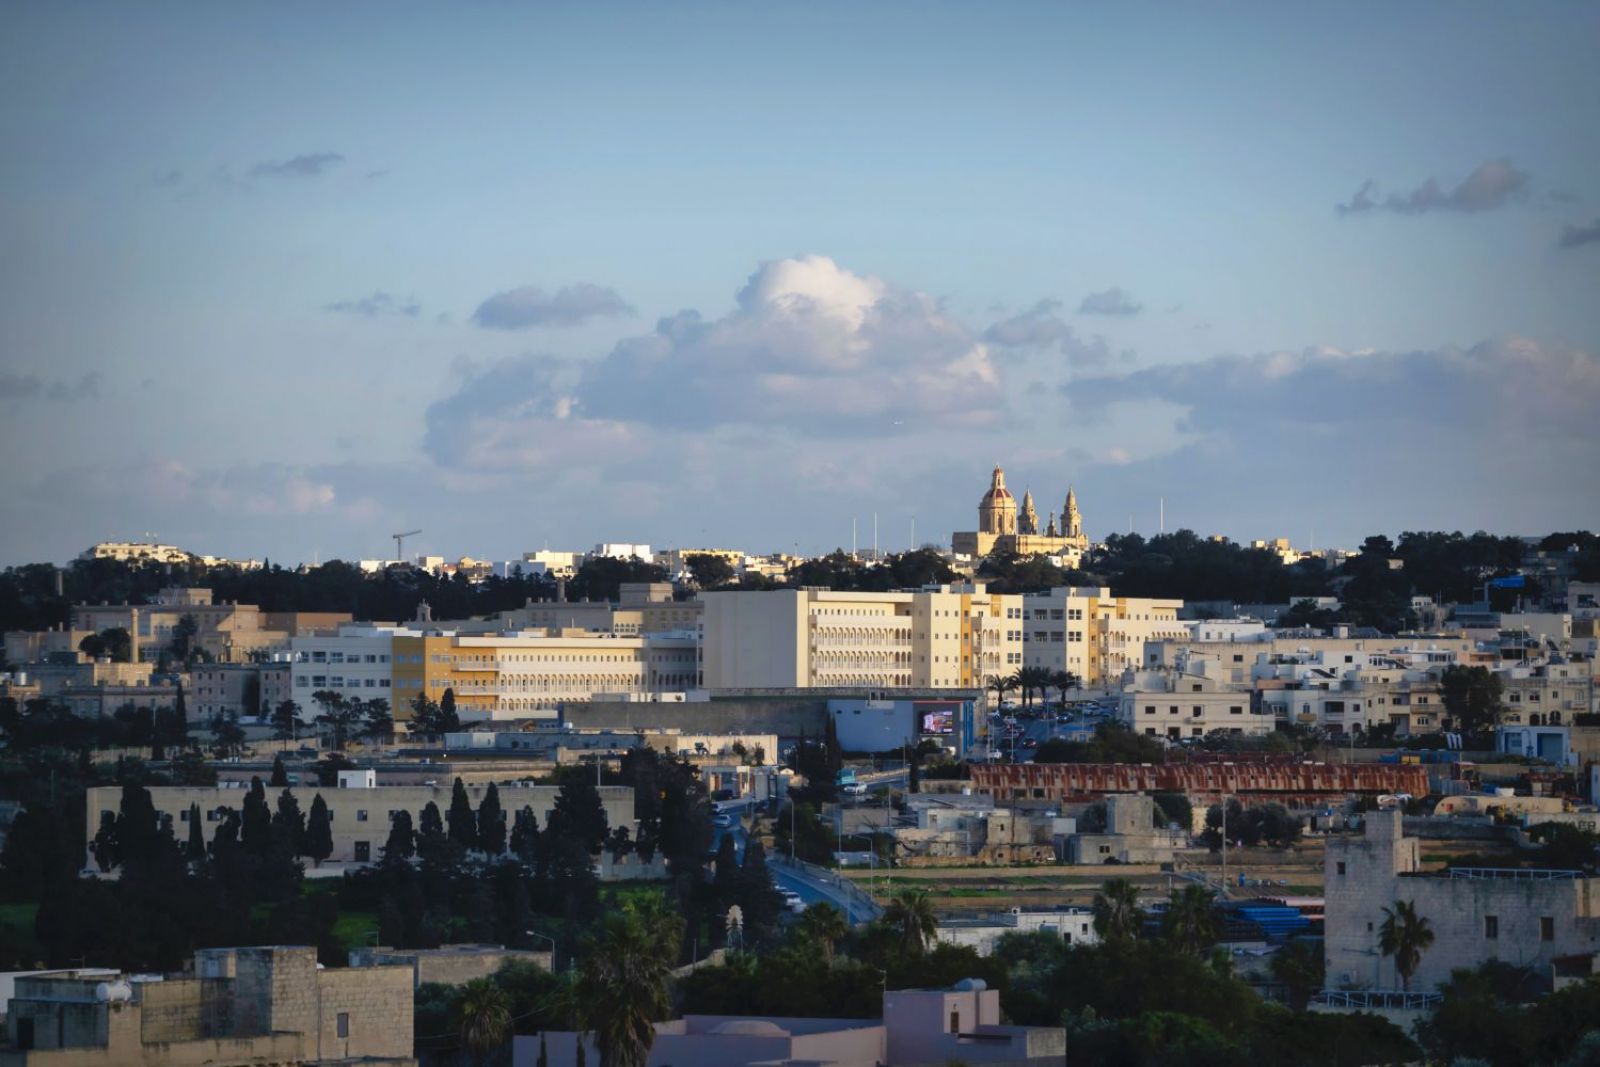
(452, 556)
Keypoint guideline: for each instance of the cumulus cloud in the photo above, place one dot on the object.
(1515, 386)
(31, 386)
(378, 304)
(1574, 236)
(1041, 328)
(518, 309)
(809, 345)
(1113, 301)
(1493, 184)
(309, 165)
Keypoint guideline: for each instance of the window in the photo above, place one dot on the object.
(1547, 928)
(1491, 927)
(343, 1024)
(1341, 870)
(955, 1020)
(361, 815)
(363, 851)
(1149, 709)
(1236, 709)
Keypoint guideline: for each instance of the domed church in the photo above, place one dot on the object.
(1004, 527)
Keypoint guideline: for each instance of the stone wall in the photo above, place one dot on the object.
(377, 1002)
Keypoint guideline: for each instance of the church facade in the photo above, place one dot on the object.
(1003, 526)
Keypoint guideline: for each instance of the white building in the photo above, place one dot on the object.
(1075, 926)
(354, 662)
(1178, 704)
(945, 637)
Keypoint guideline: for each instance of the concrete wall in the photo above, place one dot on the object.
(450, 965)
(784, 716)
(1534, 920)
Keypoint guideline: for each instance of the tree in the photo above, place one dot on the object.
(1190, 922)
(286, 721)
(823, 925)
(463, 824)
(1405, 935)
(113, 644)
(228, 737)
(402, 844)
(256, 832)
(1001, 684)
(910, 915)
(289, 823)
(525, 836)
(182, 643)
(319, 831)
(432, 718)
(708, 571)
(280, 773)
(376, 721)
(484, 1014)
(340, 716)
(1471, 696)
(622, 985)
(448, 719)
(491, 823)
(1299, 966)
(1063, 682)
(1117, 915)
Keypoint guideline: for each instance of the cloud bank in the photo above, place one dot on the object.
(1577, 236)
(519, 309)
(375, 306)
(1113, 301)
(1492, 185)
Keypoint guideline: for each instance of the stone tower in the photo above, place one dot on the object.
(1071, 517)
(1027, 518)
(997, 512)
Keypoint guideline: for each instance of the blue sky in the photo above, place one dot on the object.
(282, 279)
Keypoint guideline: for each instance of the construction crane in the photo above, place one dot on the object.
(400, 543)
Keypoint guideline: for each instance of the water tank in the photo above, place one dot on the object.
(118, 992)
(970, 985)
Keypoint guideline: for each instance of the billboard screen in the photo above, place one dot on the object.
(942, 721)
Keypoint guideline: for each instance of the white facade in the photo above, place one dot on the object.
(354, 662)
(1176, 705)
(1075, 926)
(945, 637)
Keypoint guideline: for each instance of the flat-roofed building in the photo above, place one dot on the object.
(1088, 632)
(951, 636)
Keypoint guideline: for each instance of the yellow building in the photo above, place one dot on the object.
(1003, 527)
(955, 636)
(1086, 631)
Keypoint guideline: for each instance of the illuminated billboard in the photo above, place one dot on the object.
(942, 721)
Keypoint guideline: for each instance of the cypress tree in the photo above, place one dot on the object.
(280, 773)
(290, 823)
(402, 843)
(257, 829)
(525, 836)
(197, 841)
(463, 825)
(319, 832)
(491, 823)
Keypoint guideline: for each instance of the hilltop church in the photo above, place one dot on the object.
(1003, 527)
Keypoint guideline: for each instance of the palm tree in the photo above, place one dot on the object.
(824, 925)
(1066, 682)
(485, 1014)
(910, 912)
(1190, 922)
(622, 986)
(1405, 935)
(1034, 679)
(1002, 684)
(1016, 682)
(1299, 965)
(1117, 915)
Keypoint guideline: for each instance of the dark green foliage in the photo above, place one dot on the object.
(319, 831)
(1112, 743)
(280, 773)
(402, 844)
(1471, 696)
(491, 823)
(462, 822)
(1491, 1014)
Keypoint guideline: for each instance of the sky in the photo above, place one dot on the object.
(284, 279)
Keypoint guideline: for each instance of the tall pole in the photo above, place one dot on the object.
(1224, 845)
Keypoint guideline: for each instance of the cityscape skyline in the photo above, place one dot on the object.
(1342, 281)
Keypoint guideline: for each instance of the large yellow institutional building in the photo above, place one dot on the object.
(1003, 527)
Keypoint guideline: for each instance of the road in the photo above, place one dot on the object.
(813, 888)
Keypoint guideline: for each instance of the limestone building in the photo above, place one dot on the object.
(240, 1007)
(943, 637)
(1004, 527)
(1088, 632)
(1543, 920)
